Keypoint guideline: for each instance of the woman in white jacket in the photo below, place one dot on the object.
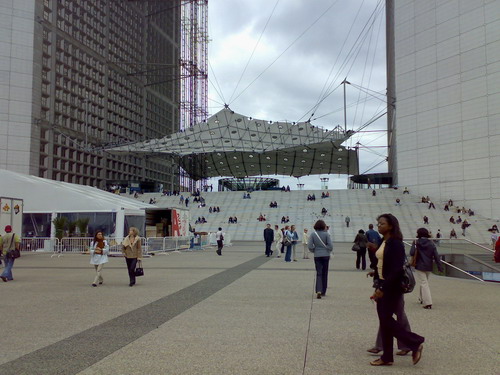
(278, 238)
(305, 240)
(99, 250)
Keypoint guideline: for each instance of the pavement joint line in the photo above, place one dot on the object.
(76, 353)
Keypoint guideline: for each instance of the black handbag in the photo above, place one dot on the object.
(14, 254)
(139, 271)
(407, 280)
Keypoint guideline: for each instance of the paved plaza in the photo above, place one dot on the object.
(241, 313)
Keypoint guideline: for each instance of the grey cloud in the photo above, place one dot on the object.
(288, 89)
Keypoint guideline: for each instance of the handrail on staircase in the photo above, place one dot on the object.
(455, 267)
(461, 270)
(479, 245)
(451, 239)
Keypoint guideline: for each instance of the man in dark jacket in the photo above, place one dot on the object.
(268, 238)
(374, 240)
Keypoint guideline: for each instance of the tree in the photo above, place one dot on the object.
(82, 225)
(60, 223)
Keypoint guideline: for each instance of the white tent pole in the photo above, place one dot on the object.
(120, 223)
(52, 226)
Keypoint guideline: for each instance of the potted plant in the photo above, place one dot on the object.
(82, 225)
(72, 228)
(60, 224)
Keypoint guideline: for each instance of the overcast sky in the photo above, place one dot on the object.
(305, 47)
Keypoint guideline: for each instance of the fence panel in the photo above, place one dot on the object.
(74, 244)
(163, 244)
(82, 244)
(38, 244)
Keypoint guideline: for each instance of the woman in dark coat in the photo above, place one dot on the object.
(361, 241)
(426, 254)
(388, 293)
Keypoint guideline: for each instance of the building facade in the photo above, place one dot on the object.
(447, 79)
(77, 76)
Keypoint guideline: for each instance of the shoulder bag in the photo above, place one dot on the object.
(413, 262)
(408, 280)
(286, 240)
(355, 247)
(139, 271)
(15, 253)
(320, 240)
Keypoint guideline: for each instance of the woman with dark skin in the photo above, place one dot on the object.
(388, 294)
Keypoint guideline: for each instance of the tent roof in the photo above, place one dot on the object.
(230, 144)
(43, 195)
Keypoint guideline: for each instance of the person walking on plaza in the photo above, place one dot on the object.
(374, 242)
(287, 242)
(305, 240)
(388, 293)
(278, 238)
(219, 237)
(295, 238)
(9, 242)
(321, 245)
(99, 250)
(403, 320)
(362, 242)
(425, 253)
(347, 221)
(132, 250)
(268, 239)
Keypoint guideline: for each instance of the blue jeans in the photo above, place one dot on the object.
(321, 264)
(7, 272)
(288, 255)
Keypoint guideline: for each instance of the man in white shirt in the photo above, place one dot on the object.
(305, 239)
(219, 236)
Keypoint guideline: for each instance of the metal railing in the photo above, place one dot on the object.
(438, 241)
(82, 244)
(461, 270)
(479, 245)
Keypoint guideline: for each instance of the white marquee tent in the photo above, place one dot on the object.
(47, 196)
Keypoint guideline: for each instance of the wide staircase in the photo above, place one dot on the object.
(359, 205)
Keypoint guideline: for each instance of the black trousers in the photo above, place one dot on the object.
(390, 328)
(268, 247)
(321, 264)
(373, 259)
(220, 245)
(131, 264)
(361, 258)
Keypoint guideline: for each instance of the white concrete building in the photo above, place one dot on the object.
(18, 147)
(447, 78)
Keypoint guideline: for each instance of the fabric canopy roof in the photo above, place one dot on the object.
(230, 144)
(42, 195)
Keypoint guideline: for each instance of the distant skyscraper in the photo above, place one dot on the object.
(76, 75)
(447, 80)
